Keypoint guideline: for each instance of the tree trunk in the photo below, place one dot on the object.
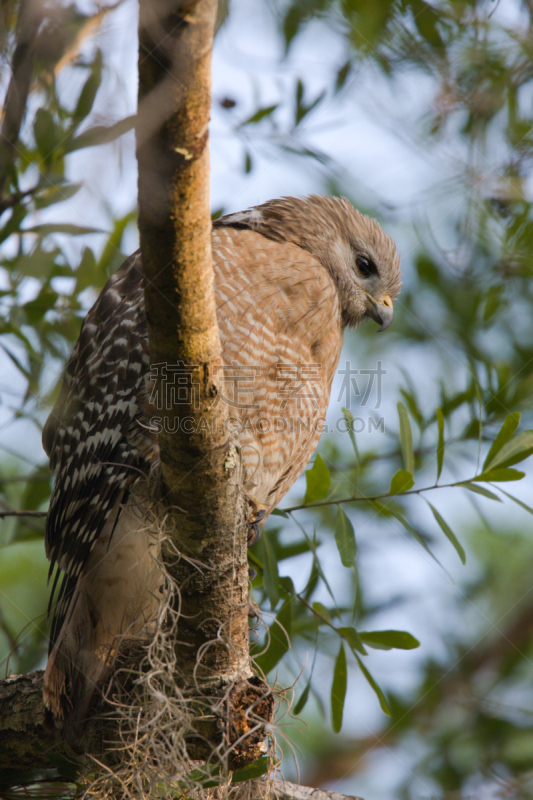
(200, 474)
(200, 466)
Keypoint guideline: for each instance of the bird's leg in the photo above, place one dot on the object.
(256, 514)
(254, 533)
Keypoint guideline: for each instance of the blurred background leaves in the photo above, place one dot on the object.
(421, 114)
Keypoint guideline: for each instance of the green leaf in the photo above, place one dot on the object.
(208, 778)
(14, 222)
(342, 74)
(318, 481)
(505, 433)
(353, 639)
(480, 490)
(89, 90)
(56, 194)
(299, 92)
(277, 512)
(111, 257)
(448, 532)
(348, 418)
(321, 609)
(295, 17)
(22, 599)
(338, 690)
(517, 501)
(381, 697)
(411, 402)
(440, 444)
(387, 640)
(279, 639)
(393, 512)
(406, 439)
(301, 108)
(15, 360)
(287, 586)
(37, 490)
(516, 450)
(345, 539)
(426, 20)
(497, 475)
(302, 700)
(100, 134)
(316, 573)
(401, 482)
(251, 771)
(46, 133)
(66, 227)
(260, 114)
(270, 572)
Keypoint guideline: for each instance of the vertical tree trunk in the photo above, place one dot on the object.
(200, 467)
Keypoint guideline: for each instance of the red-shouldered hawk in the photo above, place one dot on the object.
(290, 275)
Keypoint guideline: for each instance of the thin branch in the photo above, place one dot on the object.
(12, 199)
(352, 499)
(371, 498)
(44, 478)
(11, 513)
(321, 617)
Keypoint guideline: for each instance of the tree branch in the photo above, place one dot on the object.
(11, 513)
(291, 791)
(200, 467)
(29, 741)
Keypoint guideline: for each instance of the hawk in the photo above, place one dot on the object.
(290, 275)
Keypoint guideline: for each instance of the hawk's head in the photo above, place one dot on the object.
(360, 257)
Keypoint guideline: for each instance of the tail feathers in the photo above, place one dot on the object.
(76, 666)
(55, 688)
(69, 702)
(115, 600)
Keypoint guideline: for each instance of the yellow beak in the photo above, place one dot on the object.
(382, 313)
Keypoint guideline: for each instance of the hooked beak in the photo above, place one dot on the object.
(382, 313)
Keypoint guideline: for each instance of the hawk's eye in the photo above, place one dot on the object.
(366, 266)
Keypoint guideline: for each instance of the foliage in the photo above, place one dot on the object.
(465, 316)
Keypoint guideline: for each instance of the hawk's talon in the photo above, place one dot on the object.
(254, 533)
(258, 514)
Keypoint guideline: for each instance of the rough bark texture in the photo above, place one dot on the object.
(28, 738)
(29, 742)
(200, 467)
